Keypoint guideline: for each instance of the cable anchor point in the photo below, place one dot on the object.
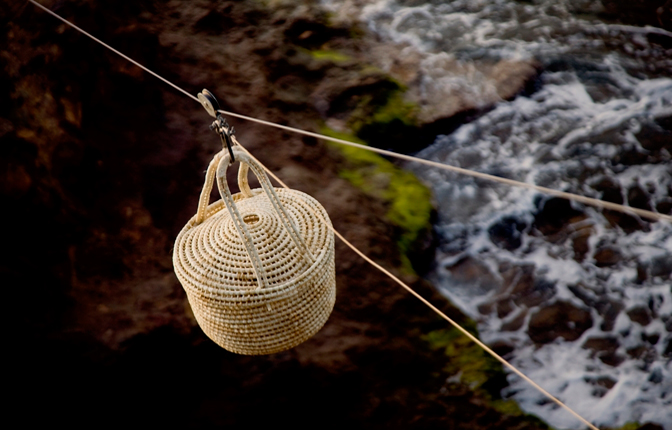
(219, 126)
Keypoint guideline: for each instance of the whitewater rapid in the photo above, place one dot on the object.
(603, 91)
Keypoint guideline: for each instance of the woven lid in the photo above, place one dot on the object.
(259, 275)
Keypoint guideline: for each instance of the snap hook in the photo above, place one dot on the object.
(219, 126)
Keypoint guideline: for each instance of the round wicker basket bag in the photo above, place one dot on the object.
(257, 266)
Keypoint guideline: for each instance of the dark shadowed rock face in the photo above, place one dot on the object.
(561, 319)
(656, 13)
(553, 215)
(505, 233)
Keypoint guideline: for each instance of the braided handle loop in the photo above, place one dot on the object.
(218, 167)
(204, 199)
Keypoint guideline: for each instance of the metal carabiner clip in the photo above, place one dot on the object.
(219, 126)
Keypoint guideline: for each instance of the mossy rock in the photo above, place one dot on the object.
(408, 199)
(469, 365)
(384, 119)
(475, 367)
(331, 56)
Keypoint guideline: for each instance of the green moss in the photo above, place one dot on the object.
(370, 70)
(327, 55)
(507, 407)
(409, 199)
(356, 32)
(476, 369)
(411, 207)
(382, 108)
(381, 116)
(397, 108)
(473, 364)
(629, 426)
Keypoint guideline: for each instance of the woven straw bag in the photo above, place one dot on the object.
(260, 275)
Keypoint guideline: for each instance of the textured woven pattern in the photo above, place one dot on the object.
(258, 266)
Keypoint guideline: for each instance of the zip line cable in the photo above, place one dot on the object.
(434, 308)
(570, 196)
(654, 216)
(112, 49)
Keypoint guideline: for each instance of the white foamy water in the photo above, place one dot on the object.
(603, 92)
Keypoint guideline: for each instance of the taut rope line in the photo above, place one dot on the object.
(112, 49)
(437, 311)
(569, 196)
(549, 191)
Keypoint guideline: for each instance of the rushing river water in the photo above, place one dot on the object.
(581, 299)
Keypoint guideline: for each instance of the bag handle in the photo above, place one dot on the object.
(218, 167)
(204, 199)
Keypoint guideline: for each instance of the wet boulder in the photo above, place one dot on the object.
(553, 214)
(470, 271)
(659, 266)
(607, 256)
(608, 308)
(561, 319)
(609, 188)
(640, 314)
(605, 349)
(601, 385)
(507, 233)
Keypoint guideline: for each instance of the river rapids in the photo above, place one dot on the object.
(579, 299)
